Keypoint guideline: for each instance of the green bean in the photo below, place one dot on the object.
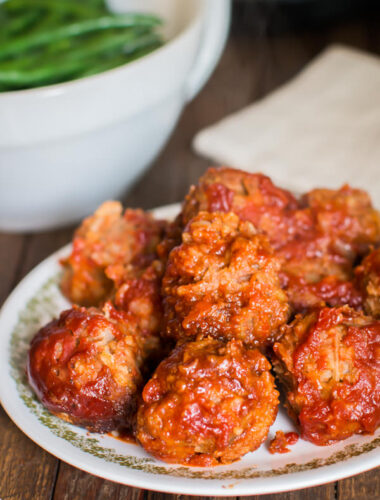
(51, 41)
(81, 10)
(120, 60)
(101, 44)
(63, 69)
(112, 62)
(27, 43)
(122, 43)
(52, 19)
(39, 76)
(48, 20)
(99, 3)
(21, 23)
(117, 45)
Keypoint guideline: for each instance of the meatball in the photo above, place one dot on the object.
(348, 217)
(304, 296)
(328, 363)
(105, 245)
(138, 301)
(313, 275)
(368, 278)
(318, 264)
(84, 368)
(252, 197)
(208, 403)
(317, 238)
(222, 281)
(172, 238)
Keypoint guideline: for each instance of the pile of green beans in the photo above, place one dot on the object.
(43, 42)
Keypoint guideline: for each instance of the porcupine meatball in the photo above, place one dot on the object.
(104, 246)
(138, 301)
(252, 197)
(347, 216)
(208, 403)
(222, 281)
(313, 275)
(318, 264)
(317, 238)
(85, 368)
(368, 278)
(328, 363)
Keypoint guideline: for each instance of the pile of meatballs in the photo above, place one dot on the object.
(185, 332)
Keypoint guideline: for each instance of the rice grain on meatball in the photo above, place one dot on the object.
(328, 363)
(222, 281)
(318, 238)
(105, 246)
(347, 216)
(86, 370)
(368, 279)
(208, 403)
(251, 196)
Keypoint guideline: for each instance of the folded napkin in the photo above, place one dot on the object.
(320, 129)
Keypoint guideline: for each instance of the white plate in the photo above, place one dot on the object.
(35, 301)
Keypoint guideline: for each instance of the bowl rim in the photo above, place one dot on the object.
(56, 89)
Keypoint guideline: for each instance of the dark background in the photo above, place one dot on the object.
(281, 16)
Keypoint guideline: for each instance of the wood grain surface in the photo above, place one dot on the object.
(261, 54)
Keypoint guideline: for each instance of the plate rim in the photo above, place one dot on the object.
(28, 286)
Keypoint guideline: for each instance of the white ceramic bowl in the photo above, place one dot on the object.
(67, 147)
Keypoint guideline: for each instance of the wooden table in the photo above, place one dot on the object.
(253, 64)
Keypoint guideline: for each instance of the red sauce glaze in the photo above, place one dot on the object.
(222, 281)
(337, 292)
(313, 247)
(372, 262)
(253, 197)
(84, 281)
(329, 363)
(368, 280)
(347, 215)
(172, 238)
(140, 295)
(124, 435)
(138, 300)
(219, 198)
(318, 237)
(84, 369)
(208, 403)
(329, 290)
(281, 442)
(105, 248)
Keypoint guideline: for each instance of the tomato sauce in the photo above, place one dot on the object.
(281, 442)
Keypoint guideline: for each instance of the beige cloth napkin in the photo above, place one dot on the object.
(320, 129)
